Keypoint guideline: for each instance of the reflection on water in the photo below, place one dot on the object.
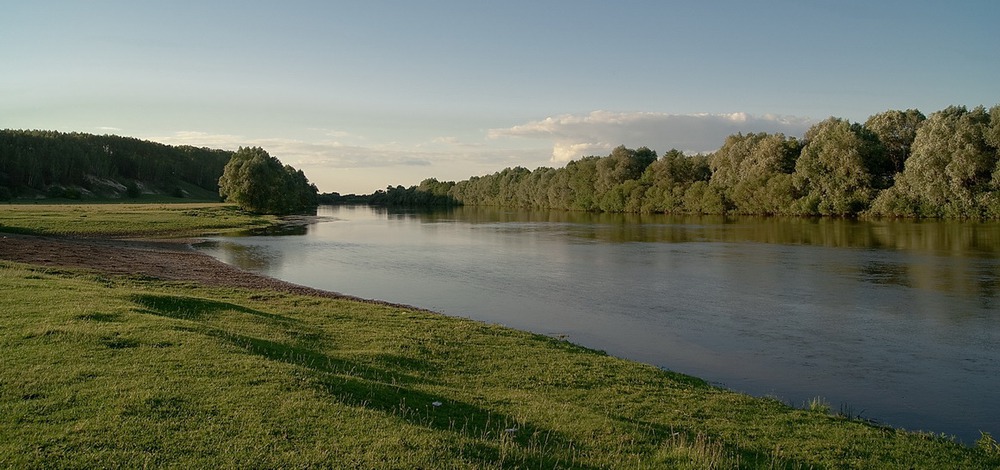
(885, 273)
(896, 318)
(249, 257)
(280, 230)
(932, 236)
(953, 240)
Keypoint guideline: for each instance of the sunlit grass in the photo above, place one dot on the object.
(123, 372)
(103, 371)
(126, 219)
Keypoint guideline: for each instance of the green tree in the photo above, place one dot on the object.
(259, 183)
(840, 170)
(560, 195)
(581, 177)
(702, 198)
(132, 190)
(952, 171)
(33, 161)
(300, 194)
(668, 178)
(896, 129)
(621, 165)
(752, 172)
(540, 182)
(617, 187)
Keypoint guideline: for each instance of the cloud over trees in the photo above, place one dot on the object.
(574, 136)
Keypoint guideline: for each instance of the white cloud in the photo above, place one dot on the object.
(575, 136)
(450, 140)
(335, 154)
(339, 134)
(345, 162)
(566, 151)
(450, 144)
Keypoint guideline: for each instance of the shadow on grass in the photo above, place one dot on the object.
(193, 308)
(373, 388)
(703, 448)
(490, 437)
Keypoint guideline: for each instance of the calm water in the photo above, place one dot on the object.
(896, 321)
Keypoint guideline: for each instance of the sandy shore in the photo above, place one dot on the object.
(160, 259)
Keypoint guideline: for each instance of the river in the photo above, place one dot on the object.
(893, 321)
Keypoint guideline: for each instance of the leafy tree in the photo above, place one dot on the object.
(622, 165)
(668, 178)
(559, 192)
(752, 171)
(702, 198)
(896, 129)
(840, 169)
(582, 176)
(258, 182)
(300, 194)
(993, 133)
(509, 191)
(540, 181)
(132, 190)
(991, 200)
(952, 171)
(616, 188)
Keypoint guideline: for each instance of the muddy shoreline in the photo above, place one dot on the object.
(166, 259)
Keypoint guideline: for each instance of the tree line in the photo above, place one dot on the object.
(430, 193)
(74, 165)
(896, 164)
(34, 162)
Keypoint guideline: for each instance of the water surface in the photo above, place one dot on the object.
(897, 321)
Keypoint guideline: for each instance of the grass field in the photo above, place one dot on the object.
(134, 220)
(118, 371)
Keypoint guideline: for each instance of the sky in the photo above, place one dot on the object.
(367, 94)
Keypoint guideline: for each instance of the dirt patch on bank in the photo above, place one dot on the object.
(159, 259)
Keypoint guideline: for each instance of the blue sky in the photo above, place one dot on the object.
(362, 95)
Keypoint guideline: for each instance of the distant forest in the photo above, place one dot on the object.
(896, 164)
(74, 166)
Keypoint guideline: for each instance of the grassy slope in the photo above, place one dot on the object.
(117, 371)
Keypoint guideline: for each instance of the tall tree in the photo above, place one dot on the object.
(259, 183)
(581, 178)
(621, 165)
(617, 188)
(668, 178)
(896, 129)
(752, 172)
(840, 169)
(952, 171)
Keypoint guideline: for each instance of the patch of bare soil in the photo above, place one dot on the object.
(159, 259)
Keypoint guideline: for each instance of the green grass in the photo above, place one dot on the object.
(184, 219)
(123, 372)
(102, 371)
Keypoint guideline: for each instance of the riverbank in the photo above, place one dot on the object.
(133, 353)
(164, 259)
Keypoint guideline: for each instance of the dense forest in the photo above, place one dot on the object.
(896, 164)
(75, 166)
